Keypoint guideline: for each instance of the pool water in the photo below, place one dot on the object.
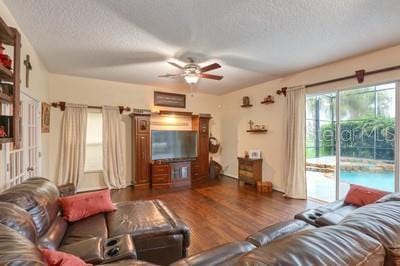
(382, 180)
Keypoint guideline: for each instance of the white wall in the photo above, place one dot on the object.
(38, 82)
(235, 139)
(100, 92)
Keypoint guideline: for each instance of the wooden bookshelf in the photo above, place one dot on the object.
(10, 36)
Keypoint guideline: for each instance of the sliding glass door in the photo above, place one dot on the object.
(360, 123)
(321, 146)
(367, 137)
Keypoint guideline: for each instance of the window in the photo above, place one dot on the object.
(94, 143)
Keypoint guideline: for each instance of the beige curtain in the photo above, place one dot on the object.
(294, 168)
(113, 155)
(73, 142)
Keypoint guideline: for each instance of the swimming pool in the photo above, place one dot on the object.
(379, 180)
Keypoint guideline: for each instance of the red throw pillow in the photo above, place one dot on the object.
(79, 206)
(360, 196)
(57, 258)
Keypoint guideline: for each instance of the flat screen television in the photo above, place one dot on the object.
(173, 144)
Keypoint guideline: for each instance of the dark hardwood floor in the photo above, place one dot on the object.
(219, 211)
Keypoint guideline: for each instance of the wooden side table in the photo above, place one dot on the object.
(250, 170)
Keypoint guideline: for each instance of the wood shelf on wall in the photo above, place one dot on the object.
(267, 102)
(246, 105)
(257, 130)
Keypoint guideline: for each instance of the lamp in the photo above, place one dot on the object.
(192, 78)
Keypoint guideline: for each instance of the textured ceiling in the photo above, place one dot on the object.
(253, 40)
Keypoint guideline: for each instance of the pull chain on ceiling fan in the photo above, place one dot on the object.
(193, 72)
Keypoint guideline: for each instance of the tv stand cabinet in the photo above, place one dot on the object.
(171, 174)
(167, 174)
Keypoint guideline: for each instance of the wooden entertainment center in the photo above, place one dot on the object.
(168, 173)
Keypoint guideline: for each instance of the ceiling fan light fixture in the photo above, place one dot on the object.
(191, 78)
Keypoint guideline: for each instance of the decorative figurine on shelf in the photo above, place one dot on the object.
(251, 123)
(5, 59)
(246, 101)
(3, 133)
(246, 154)
(269, 99)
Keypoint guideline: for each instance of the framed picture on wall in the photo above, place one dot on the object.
(169, 99)
(45, 117)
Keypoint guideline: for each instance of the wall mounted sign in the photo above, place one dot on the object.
(169, 99)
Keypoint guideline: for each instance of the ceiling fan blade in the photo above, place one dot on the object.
(169, 75)
(210, 67)
(209, 76)
(175, 65)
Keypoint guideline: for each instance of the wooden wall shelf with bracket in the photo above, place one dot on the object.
(257, 130)
(267, 102)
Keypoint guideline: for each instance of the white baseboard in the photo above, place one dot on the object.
(236, 177)
(231, 175)
(87, 189)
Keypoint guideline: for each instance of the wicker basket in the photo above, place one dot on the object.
(213, 145)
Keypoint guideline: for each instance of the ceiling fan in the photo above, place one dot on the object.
(193, 72)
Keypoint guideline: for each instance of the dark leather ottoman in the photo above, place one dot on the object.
(159, 235)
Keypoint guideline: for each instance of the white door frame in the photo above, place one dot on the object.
(39, 132)
(7, 148)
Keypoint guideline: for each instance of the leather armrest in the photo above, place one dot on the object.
(119, 248)
(67, 189)
(330, 218)
(310, 216)
(334, 205)
(129, 263)
(90, 250)
(218, 255)
(54, 235)
(270, 233)
(336, 216)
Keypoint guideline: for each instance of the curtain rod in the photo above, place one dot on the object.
(359, 75)
(61, 105)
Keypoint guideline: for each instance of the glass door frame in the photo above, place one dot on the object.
(337, 126)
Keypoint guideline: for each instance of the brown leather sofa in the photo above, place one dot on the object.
(15, 249)
(146, 230)
(369, 235)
